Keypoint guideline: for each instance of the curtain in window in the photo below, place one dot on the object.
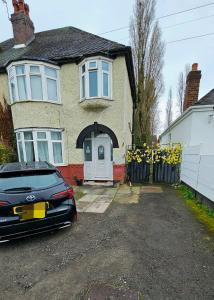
(30, 156)
(43, 151)
(57, 153)
(21, 153)
(36, 87)
(21, 80)
(52, 89)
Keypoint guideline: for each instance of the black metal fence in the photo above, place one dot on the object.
(166, 173)
(138, 172)
(162, 173)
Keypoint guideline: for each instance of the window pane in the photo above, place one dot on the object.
(101, 153)
(93, 65)
(29, 151)
(105, 84)
(52, 89)
(83, 69)
(93, 86)
(105, 66)
(83, 86)
(43, 151)
(36, 87)
(57, 153)
(18, 136)
(41, 135)
(21, 153)
(13, 91)
(88, 150)
(51, 72)
(28, 135)
(56, 136)
(21, 80)
(20, 70)
(35, 69)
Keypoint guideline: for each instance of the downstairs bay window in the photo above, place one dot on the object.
(96, 79)
(40, 145)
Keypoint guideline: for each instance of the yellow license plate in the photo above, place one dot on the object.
(31, 211)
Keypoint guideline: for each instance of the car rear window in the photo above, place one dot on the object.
(33, 181)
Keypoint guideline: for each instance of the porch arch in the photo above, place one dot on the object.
(96, 128)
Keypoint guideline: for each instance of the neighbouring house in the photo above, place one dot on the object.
(194, 129)
(72, 96)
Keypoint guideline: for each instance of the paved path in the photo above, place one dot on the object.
(146, 243)
(96, 199)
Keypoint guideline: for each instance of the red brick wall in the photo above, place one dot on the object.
(119, 172)
(71, 171)
(6, 124)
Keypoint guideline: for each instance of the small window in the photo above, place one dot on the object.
(92, 65)
(50, 72)
(56, 136)
(105, 66)
(101, 152)
(28, 135)
(83, 69)
(41, 135)
(88, 150)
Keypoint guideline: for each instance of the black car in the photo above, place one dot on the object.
(34, 198)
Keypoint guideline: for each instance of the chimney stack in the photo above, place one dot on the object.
(23, 28)
(192, 87)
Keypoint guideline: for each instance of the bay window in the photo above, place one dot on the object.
(96, 77)
(40, 145)
(34, 82)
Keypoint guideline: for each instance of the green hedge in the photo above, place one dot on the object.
(6, 154)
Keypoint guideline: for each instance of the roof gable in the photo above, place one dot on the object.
(208, 99)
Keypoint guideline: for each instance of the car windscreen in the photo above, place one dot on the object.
(32, 181)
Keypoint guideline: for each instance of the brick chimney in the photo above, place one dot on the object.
(192, 87)
(23, 28)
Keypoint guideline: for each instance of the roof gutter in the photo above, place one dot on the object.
(189, 111)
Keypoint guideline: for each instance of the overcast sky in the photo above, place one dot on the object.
(98, 16)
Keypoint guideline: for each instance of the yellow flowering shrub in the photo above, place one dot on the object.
(156, 154)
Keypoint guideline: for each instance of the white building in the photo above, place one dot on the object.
(194, 130)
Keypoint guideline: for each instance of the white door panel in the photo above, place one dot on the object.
(98, 163)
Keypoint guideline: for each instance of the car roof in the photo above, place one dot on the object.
(26, 167)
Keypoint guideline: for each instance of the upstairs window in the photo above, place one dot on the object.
(33, 82)
(96, 77)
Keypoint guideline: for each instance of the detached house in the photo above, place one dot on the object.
(194, 129)
(72, 96)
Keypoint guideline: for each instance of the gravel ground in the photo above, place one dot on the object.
(155, 247)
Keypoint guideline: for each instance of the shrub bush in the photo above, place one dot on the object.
(6, 154)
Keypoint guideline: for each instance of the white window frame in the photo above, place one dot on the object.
(100, 72)
(35, 139)
(11, 70)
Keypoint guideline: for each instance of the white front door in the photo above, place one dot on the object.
(98, 163)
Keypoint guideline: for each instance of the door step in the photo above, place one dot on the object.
(98, 183)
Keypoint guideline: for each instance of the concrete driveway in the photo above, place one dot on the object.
(146, 245)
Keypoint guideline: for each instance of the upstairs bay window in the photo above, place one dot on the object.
(96, 78)
(40, 145)
(34, 82)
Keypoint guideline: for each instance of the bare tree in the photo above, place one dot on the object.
(181, 88)
(169, 107)
(148, 53)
